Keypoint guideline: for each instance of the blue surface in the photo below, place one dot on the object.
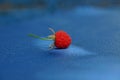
(69, 52)
(93, 55)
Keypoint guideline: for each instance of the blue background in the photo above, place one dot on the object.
(93, 55)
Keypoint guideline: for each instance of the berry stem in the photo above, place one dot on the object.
(38, 37)
(52, 30)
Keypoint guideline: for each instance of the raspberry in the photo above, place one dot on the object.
(62, 40)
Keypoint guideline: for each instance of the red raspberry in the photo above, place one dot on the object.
(62, 40)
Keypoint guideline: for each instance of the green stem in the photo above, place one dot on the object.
(38, 37)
